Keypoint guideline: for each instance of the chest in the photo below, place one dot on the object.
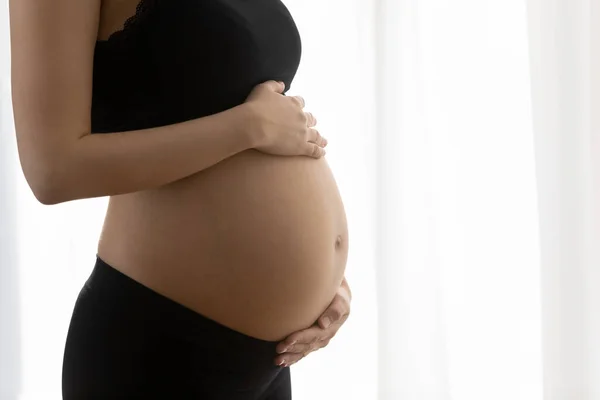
(225, 33)
(202, 56)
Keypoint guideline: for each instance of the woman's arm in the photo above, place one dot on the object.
(53, 45)
(125, 162)
(52, 64)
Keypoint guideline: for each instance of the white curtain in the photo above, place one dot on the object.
(457, 259)
(565, 61)
(473, 215)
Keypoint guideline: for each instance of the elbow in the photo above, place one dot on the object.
(48, 197)
(48, 172)
(48, 188)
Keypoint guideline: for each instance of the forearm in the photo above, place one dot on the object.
(125, 162)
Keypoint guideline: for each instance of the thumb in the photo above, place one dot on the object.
(330, 316)
(275, 86)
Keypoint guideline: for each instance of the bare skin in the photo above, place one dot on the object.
(245, 226)
(302, 343)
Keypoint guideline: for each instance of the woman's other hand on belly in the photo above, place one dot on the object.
(300, 344)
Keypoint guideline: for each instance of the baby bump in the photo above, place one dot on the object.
(257, 242)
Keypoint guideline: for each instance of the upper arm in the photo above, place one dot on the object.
(52, 50)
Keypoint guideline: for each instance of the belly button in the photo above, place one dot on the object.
(338, 242)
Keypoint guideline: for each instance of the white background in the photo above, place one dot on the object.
(427, 110)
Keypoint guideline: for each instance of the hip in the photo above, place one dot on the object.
(127, 341)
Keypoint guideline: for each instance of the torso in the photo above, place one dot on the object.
(257, 242)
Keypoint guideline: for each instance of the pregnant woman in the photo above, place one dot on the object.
(223, 250)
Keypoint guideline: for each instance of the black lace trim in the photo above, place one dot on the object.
(141, 10)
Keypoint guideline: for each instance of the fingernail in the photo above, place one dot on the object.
(281, 363)
(326, 322)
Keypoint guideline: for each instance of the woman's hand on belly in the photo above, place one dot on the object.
(300, 344)
(280, 125)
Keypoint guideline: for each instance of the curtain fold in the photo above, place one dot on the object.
(411, 338)
(457, 260)
(10, 300)
(10, 308)
(427, 105)
(565, 55)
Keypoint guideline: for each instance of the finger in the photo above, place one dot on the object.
(334, 325)
(299, 100)
(285, 345)
(306, 336)
(315, 137)
(275, 86)
(299, 348)
(288, 359)
(334, 313)
(304, 348)
(309, 335)
(310, 119)
(314, 150)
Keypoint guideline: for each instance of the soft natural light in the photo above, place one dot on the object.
(465, 204)
(436, 170)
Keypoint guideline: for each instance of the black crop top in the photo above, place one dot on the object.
(177, 60)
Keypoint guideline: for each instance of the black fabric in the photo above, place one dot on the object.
(127, 341)
(177, 60)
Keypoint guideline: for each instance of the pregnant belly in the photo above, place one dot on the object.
(258, 242)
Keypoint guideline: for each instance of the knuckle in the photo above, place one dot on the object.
(335, 314)
(303, 117)
(320, 141)
(304, 135)
(315, 151)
